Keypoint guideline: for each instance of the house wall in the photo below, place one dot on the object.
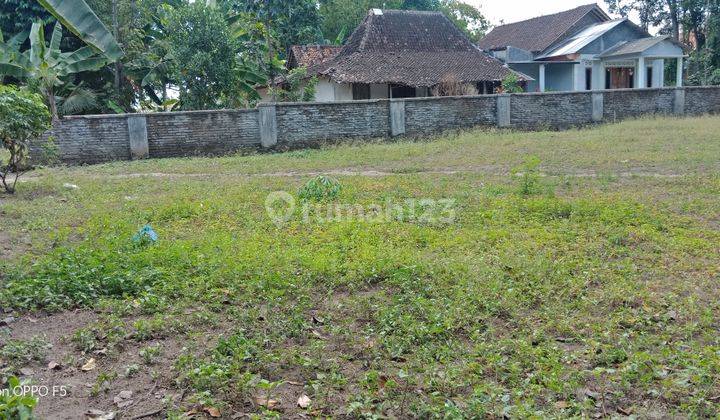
(532, 70)
(560, 77)
(328, 91)
(104, 138)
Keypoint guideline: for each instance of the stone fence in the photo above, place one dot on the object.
(104, 138)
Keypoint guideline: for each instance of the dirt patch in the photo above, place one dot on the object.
(73, 391)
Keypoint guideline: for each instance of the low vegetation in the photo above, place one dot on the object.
(578, 276)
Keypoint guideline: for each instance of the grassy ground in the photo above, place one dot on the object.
(585, 287)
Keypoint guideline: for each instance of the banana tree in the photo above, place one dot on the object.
(45, 68)
(80, 19)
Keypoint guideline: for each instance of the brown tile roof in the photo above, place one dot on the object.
(411, 48)
(311, 55)
(540, 33)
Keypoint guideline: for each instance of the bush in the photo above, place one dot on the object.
(23, 117)
(511, 84)
(320, 188)
(13, 405)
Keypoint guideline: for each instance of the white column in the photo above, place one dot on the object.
(641, 72)
(658, 73)
(542, 78)
(578, 77)
(679, 76)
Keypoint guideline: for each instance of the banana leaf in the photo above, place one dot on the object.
(79, 18)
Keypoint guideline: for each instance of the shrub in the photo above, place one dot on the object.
(320, 188)
(15, 405)
(511, 84)
(23, 117)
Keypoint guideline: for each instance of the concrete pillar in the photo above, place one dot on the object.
(679, 75)
(503, 111)
(541, 82)
(598, 107)
(679, 101)
(138, 136)
(397, 117)
(641, 71)
(598, 75)
(578, 77)
(267, 120)
(658, 73)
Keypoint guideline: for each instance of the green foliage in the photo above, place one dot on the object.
(14, 406)
(204, 59)
(18, 353)
(528, 176)
(320, 188)
(23, 117)
(45, 68)
(297, 87)
(511, 84)
(80, 19)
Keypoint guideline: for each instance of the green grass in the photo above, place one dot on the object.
(587, 285)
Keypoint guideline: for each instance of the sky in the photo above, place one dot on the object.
(516, 10)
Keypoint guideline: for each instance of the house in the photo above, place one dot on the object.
(398, 54)
(584, 49)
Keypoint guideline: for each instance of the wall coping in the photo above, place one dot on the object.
(376, 101)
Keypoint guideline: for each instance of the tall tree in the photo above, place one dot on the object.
(17, 15)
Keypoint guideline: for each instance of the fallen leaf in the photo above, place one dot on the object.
(101, 352)
(125, 403)
(90, 365)
(303, 401)
(26, 372)
(212, 411)
(317, 334)
(561, 404)
(93, 414)
(317, 320)
(264, 402)
(623, 411)
(54, 366)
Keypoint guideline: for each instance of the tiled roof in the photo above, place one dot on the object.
(411, 48)
(311, 55)
(540, 33)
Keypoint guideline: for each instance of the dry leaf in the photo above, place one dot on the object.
(212, 411)
(90, 365)
(304, 401)
(54, 366)
(561, 404)
(264, 402)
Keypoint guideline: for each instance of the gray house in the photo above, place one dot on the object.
(584, 49)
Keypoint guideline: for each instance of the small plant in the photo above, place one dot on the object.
(529, 176)
(320, 188)
(23, 117)
(14, 406)
(131, 370)
(150, 354)
(21, 352)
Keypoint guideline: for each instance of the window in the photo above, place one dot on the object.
(649, 77)
(608, 78)
(360, 91)
(588, 78)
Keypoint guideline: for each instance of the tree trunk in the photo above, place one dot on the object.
(118, 66)
(50, 97)
(674, 19)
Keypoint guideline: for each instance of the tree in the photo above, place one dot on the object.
(17, 15)
(467, 18)
(23, 117)
(45, 68)
(204, 58)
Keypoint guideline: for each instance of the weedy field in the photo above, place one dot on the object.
(573, 274)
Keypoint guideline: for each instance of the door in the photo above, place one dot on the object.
(620, 78)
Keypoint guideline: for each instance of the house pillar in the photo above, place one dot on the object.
(658, 69)
(138, 136)
(542, 78)
(679, 75)
(641, 71)
(267, 121)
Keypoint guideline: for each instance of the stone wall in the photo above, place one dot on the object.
(104, 138)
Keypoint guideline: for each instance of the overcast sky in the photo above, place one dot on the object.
(516, 10)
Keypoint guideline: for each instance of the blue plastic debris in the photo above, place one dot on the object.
(146, 234)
